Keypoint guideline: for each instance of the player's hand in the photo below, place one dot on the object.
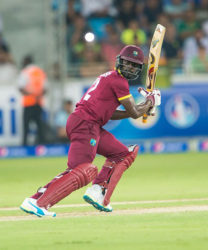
(154, 96)
(143, 92)
(152, 111)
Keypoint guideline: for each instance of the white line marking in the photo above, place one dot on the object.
(158, 210)
(116, 203)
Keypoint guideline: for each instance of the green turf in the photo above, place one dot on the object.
(155, 232)
(152, 177)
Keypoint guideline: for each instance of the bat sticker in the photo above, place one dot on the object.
(151, 74)
(159, 29)
(155, 42)
(152, 59)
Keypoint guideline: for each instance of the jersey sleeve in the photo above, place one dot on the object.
(121, 89)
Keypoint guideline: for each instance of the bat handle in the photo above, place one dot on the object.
(144, 118)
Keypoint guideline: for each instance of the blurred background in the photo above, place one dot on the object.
(73, 41)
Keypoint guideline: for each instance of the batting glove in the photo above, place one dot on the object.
(154, 96)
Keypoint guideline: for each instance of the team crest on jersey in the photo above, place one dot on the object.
(93, 142)
(135, 53)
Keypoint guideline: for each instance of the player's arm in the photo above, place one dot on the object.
(22, 82)
(23, 91)
(132, 109)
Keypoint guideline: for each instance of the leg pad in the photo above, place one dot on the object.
(104, 175)
(118, 172)
(67, 183)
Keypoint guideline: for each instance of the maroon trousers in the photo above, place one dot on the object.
(88, 139)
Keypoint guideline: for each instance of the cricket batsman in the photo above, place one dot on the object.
(85, 131)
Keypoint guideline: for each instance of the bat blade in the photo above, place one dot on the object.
(154, 56)
(153, 60)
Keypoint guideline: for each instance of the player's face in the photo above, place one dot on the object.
(130, 69)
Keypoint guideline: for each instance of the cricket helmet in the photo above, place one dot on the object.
(133, 54)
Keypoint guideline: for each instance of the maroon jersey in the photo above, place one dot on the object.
(103, 97)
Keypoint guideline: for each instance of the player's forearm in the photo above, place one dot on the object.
(139, 110)
(143, 108)
(24, 92)
(120, 114)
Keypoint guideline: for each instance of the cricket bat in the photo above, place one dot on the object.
(153, 60)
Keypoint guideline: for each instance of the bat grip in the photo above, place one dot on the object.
(144, 118)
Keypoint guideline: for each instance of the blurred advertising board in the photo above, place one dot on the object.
(157, 147)
(34, 151)
(183, 113)
(10, 116)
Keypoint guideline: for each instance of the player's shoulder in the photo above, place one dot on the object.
(113, 76)
(33, 68)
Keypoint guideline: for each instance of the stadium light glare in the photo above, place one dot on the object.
(89, 37)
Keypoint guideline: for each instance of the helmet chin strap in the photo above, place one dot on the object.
(119, 71)
(121, 74)
(129, 78)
